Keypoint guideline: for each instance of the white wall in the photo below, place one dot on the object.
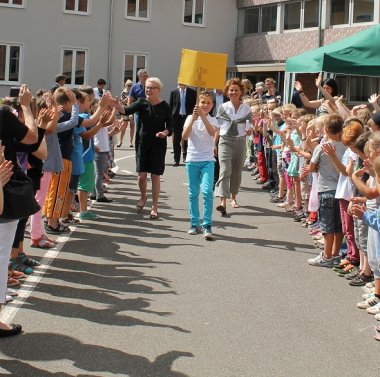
(43, 28)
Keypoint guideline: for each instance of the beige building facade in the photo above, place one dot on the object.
(269, 31)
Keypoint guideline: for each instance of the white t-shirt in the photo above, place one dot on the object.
(242, 112)
(200, 145)
(101, 140)
(345, 187)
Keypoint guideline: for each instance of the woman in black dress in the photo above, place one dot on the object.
(153, 127)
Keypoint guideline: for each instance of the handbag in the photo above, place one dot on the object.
(19, 201)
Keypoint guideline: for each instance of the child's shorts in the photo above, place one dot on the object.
(87, 179)
(329, 213)
(361, 235)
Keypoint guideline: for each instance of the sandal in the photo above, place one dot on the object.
(221, 209)
(140, 207)
(234, 204)
(52, 240)
(60, 229)
(42, 243)
(154, 215)
(12, 282)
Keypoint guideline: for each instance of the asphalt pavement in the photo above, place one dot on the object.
(125, 295)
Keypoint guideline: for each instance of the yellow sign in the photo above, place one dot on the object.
(203, 69)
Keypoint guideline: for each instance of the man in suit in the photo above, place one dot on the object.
(182, 103)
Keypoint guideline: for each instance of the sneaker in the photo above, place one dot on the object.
(372, 301)
(366, 296)
(13, 282)
(17, 266)
(353, 273)
(317, 236)
(360, 280)
(8, 298)
(104, 200)
(282, 204)
(320, 261)
(377, 316)
(88, 215)
(23, 259)
(374, 309)
(11, 292)
(207, 233)
(93, 197)
(194, 230)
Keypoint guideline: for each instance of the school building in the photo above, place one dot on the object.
(111, 39)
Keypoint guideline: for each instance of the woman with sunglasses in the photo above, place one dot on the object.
(153, 127)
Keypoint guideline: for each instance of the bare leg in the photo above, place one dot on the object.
(233, 201)
(142, 181)
(329, 241)
(122, 133)
(131, 130)
(4, 326)
(82, 195)
(338, 238)
(156, 185)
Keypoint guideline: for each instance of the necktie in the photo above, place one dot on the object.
(183, 103)
(100, 92)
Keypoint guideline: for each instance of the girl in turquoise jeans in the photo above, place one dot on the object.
(199, 130)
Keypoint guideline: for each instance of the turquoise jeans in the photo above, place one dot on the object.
(201, 175)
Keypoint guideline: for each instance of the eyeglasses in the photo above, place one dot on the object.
(151, 87)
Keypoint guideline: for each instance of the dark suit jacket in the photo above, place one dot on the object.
(213, 110)
(175, 102)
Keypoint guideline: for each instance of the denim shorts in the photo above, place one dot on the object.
(329, 213)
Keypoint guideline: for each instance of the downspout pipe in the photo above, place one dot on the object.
(110, 27)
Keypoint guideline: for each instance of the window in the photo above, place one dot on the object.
(138, 9)
(77, 6)
(12, 3)
(74, 64)
(348, 12)
(292, 16)
(363, 11)
(132, 63)
(251, 21)
(194, 12)
(310, 13)
(268, 18)
(10, 56)
(356, 88)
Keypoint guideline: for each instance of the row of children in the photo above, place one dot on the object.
(325, 170)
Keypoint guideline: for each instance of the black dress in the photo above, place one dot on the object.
(150, 149)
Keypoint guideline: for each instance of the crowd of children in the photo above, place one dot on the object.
(324, 169)
(70, 161)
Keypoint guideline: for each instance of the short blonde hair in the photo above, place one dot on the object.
(156, 80)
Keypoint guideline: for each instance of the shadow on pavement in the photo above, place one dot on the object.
(86, 357)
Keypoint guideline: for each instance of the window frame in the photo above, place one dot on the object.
(76, 11)
(8, 45)
(135, 54)
(137, 18)
(351, 8)
(73, 66)
(260, 32)
(23, 5)
(192, 23)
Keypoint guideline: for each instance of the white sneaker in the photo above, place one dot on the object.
(8, 298)
(11, 292)
(368, 303)
(374, 309)
(366, 296)
(377, 316)
(321, 261)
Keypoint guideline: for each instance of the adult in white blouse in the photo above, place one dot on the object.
(235, 120)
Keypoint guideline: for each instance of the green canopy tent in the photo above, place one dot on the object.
(357, 55)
